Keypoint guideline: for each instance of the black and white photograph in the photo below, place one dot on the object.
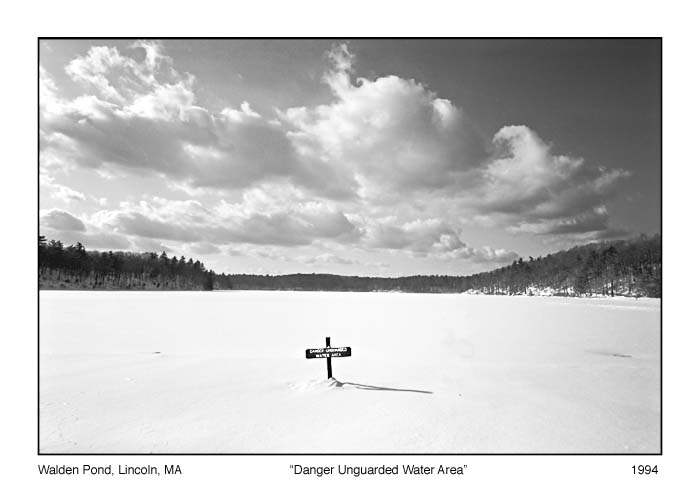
(349, 246)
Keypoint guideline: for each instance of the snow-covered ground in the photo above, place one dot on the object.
(226, 372)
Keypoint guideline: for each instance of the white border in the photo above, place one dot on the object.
(24, 21)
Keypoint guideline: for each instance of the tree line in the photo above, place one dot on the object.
(615, 268)
(75, 267)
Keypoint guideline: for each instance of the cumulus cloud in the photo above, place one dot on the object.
(61, 220)
(526, 177)
(141, 115)
(389, 133)
(529, 189)
(93, 133)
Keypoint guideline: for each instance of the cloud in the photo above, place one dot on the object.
(419, 235)
(92, 133)
(484, 254)
(145, 86)
(204, 248)
(137, 224)
(280, 217)
(380, 140)
(389, 133)
(529, 189)
(141, 116)
(570, 239)
(258, 219)
(386, 164)
(149, 245)
(525, 177)
(69, 229)
(249, 150)
(61, 221)
(332, 259)
(433, 238)
(317, 259)
(596, 219)
(105, 241)
(92, 240)
(49, 188)
(324, 259)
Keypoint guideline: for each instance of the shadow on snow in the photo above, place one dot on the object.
(363, 386)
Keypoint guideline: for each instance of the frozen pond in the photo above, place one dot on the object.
(452, 373)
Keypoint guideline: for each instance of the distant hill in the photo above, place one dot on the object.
(615, 268)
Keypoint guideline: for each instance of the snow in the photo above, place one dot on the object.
(191, 372)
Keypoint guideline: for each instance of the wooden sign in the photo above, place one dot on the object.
(328, 352)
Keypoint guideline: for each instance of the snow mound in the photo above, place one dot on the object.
(315, 385)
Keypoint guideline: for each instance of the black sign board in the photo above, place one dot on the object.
(328, 352)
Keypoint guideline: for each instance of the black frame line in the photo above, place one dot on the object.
(401, 454)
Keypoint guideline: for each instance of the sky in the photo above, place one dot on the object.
(355, 157)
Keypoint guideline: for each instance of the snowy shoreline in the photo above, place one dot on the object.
(470, 292)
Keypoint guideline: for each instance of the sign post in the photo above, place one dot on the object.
(328, 360)
(328, 352)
